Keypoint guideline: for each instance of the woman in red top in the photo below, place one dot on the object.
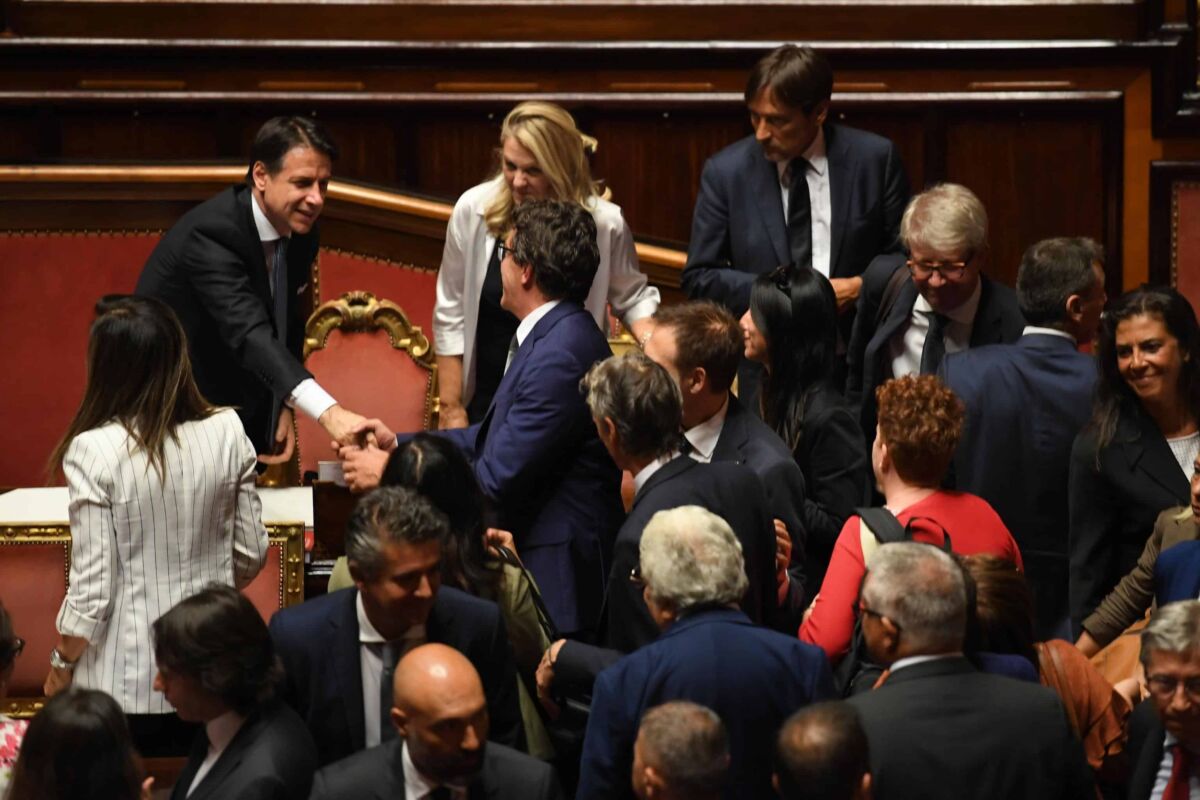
(920, 421)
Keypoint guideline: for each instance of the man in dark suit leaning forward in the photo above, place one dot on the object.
(236, 271)
(1034, 396)
(339, 651)
(536, 453)
(441, 716)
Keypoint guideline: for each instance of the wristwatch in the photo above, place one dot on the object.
(58, 662)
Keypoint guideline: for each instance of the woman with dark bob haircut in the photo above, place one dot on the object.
(791, 329)
(437, 469)
(920, 422)
(78, 748)
(1135, 457)
(162, 502)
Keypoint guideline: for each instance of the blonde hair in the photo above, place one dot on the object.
(561, 149)
(947, 219)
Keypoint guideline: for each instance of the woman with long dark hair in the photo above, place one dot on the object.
(791, 329)
(1136, 456)
(162, 502)
(78, 748)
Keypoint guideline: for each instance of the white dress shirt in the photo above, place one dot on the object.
(525, 326)
(906, 346)
(417, 786)
(308, 396)
(703, 437)
(1164, 771)
(1034, 330)
(370, 657)
(141, 543)
(645, 472)
(220, 732)
(912, 661)
(817, 176)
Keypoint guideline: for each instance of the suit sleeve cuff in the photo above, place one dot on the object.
(309, 397)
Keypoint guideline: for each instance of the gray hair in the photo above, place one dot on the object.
(690, 557)
(688, 745)
(923, 591)
(947, 219)
(1173, 628)
(641, 399)
(390, 515)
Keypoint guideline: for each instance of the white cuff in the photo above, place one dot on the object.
(309, 397)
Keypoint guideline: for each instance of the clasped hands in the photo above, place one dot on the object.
(344, 426)
(364, 454)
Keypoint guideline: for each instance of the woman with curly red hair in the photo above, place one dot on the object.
(919, 424)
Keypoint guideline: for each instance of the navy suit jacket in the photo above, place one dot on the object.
(738, 228)
(210, 268)
(1147, 738)
(752, 677)
(318, 644)
(998, 319)
(537, 455)
(271, 757)
(1177, 573)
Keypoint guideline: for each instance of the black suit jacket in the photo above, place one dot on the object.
(997, 319)
(210, 268)
(1113, 507)
(940, 729)
(272, 757)
(318, 644)
(745, 439)
(378, 774)
(738, 229)
(1147, 736)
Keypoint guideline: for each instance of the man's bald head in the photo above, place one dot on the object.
(440, 711)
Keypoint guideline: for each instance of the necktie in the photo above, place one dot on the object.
(935, 344)
(389, 653)
(1178, 787)
(279, 278)
(799, 221)
(513, 346)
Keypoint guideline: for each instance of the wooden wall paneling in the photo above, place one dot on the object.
(1174, 230)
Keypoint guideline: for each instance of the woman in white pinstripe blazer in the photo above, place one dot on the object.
(163, 502)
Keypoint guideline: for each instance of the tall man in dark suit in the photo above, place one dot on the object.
(798, 190)
(236, 271)
(709, 653)
(636, 407)
(440, 714)
(700, 345)
(536, 453)
(339, 651)
(937, 728)
(216, 665)
(1026, 401)
(1164, 736)
(906, 323)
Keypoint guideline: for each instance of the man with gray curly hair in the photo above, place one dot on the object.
(709, 653)
(937, 727)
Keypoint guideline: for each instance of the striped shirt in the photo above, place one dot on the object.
(141, 543)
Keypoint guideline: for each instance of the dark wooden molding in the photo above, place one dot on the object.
(1164, 175)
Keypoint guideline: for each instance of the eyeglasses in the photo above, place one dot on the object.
(950, 270)
(635, 576)
(863, 611)
(503, 250)
(1164, 686)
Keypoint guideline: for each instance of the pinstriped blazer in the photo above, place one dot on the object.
(140, 543)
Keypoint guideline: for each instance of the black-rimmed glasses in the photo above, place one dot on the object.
(1165, 686)
(950, 270)
(503, 250)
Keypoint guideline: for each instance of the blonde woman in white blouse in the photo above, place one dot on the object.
(543, 155)
(162, 503)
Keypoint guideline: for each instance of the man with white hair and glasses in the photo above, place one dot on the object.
(937, 727)
(915, 308)
(1164, 736)
(709, 653)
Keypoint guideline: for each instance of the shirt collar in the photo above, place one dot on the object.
(912, 661)
(266, 231)
(417, 785)
(645, 472)
(222, 729)
(815, 155)
(964, 314)
(367, 633)
(1035, 330)
(704, 436)
(532, 318)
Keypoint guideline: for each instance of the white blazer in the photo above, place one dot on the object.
(140, 544)
(469, 245)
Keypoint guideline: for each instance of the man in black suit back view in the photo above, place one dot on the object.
(938, 728)
(216, 665)
(441, 748)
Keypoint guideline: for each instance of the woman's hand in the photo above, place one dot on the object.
(495, 538)
(57, 681)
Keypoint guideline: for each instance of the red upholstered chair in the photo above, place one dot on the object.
(281, 581)
(366, 353)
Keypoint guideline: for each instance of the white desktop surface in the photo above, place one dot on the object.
(48, 506)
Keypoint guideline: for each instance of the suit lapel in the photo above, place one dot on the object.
(841, 178)
(195, 759)
(732, 441)
(1145, 771)
(988, 327)
(210, 785)
(897, 318)
(254, 255)
(1147, 450)
(676, 466)
(764, 179)
(347, 668)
